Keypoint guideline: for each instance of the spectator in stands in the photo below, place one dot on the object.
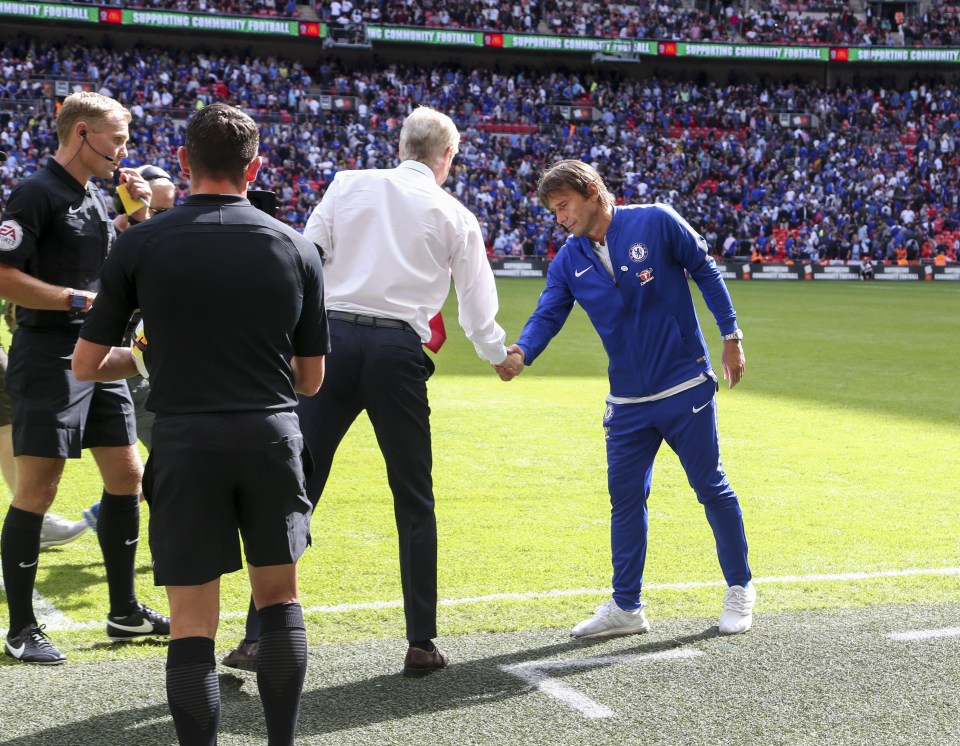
(876, 150)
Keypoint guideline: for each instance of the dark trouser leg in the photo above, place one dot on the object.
(631, 449)
(324, 420)
(252, 632)
(395, 396)
(693, 435)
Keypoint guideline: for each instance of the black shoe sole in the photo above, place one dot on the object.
(419, 673)
(36, 663)
(249, 667)
(140, 636)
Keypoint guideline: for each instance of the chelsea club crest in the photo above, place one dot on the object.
(638, 252)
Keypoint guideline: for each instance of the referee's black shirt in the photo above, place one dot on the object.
(58, 230)
(228, 296)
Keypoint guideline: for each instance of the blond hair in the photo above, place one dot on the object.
(576, 175)
(425, 136)
(89, 107)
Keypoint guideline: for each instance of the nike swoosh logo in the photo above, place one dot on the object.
(74, 210)
(142, 628)
(697, 409)
(25, 566)
(580, 272)
(16, 652)
(128, 542)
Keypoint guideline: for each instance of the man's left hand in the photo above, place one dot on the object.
(512, 366)
(734, 362)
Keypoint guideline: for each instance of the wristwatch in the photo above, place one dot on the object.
(77, 301)
(735, 334)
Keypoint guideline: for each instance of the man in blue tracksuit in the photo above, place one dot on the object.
(627, 267)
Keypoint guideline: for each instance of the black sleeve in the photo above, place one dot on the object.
(26, 214)
(311, 337)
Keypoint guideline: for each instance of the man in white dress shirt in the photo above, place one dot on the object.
(391, 241)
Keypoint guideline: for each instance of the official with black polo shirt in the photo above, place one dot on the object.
(228, 459)
(54, 237)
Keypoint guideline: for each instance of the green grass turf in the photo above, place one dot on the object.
(841, 442)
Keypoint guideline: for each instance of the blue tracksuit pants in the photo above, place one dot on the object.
(688, 423)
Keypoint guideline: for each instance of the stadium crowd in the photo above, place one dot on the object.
(775, 22)
(280, 8)
(774, 25)
(877, 173)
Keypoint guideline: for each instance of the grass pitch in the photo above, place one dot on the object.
(841, 442)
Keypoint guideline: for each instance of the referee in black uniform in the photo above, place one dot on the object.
(228, 458)
(54, 237)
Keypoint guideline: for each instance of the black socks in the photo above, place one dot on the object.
(281, 668)
(193, 690)
(118, 531)
(20, 550)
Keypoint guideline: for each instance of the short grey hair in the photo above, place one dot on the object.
(426, 134)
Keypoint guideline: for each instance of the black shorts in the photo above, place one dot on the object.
(54, 414)
(5, 415)
(211, 479)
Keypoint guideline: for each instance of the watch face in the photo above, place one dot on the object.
(78, 301)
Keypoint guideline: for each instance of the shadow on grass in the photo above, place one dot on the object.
(389, 698)
(359, 704)
(64, 581)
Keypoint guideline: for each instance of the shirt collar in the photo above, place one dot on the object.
(216, 199)
(419, 167)
(65, 176)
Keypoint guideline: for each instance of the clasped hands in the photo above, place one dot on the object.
(512, 366)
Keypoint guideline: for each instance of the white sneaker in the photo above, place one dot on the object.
(609, 620)
(57, 530)
(737, 613)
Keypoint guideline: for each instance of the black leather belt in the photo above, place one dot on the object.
(357, 318)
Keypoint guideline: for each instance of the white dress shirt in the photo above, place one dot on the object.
(392, 239)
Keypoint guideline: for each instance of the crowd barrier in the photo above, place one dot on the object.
(537, 267)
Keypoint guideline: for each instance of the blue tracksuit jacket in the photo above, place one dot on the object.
(645, 314)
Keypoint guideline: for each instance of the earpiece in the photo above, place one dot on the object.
(83, 135)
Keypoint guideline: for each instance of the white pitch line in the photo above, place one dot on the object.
(534, 674)
(63, 622)
(835, 577)
(52, 616)
(924, 634)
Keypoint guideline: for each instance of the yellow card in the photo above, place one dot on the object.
(130, 205)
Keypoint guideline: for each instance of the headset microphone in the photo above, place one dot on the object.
(105, 157)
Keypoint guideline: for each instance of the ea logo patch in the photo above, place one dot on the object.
(11, 234)
(638, 252)
(608, 415)
(645, 276)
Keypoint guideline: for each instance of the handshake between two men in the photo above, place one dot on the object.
(512, 366)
